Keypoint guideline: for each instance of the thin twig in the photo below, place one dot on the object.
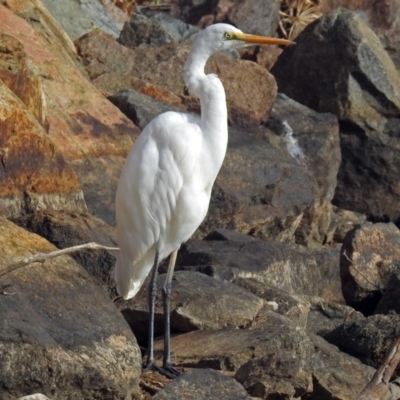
(379, 384)
(42, 257)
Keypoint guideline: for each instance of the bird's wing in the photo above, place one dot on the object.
(160, 162)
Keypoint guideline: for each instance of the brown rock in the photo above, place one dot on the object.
(58, 333)
(93, 135)
(197, 302)
(361, 86)
(33, 173)
(369, 255)
(203, 384)
(248, 99)
(66, 229)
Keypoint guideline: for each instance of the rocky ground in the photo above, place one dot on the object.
(289, 289)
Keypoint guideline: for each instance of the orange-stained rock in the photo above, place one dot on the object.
(33, 173)
(38, 62)
(250, 89)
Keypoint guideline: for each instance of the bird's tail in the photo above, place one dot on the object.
(131, 276)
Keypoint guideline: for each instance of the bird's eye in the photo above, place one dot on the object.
(228, 36)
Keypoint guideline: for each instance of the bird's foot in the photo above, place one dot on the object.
(167, 370)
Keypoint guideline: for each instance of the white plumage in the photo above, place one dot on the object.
(165, 186)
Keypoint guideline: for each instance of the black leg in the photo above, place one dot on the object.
(152, 297)
(167, 369)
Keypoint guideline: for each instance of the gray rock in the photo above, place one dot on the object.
(203, 384)
(59, 334)
(228, 349)
(138, 107)
(78, 17)
(191, 11)
(289, 267)
(158, 30)
(317, 137)
(197, 302)
(346, 71)
(66, 229)
(390, 300)
(258, 17)
(324, 316)
(369, 256)
(368, 339)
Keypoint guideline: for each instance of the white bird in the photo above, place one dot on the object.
(165, 186)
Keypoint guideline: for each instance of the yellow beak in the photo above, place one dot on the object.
(255, 39)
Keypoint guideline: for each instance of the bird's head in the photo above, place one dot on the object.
(219, 37)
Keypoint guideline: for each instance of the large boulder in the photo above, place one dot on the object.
(113, 67)
(91, 134)
(59, 334)
(346, 71)
(33, 173)
(369, 256)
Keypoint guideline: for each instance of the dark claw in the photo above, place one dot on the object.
(167, 370)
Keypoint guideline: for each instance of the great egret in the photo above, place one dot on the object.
(165, 187)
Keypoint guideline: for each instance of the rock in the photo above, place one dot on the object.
(36, 396)
(343, 221)
(91, 134)
(113, 67)
(390, 299)
(203, 384)
(79, 17)
(197, 302)
(277, 359)
(325, 316)
(381, 16)
(158, 30)
(361, 86)
(275, 375)
(33, 173)
(369, 256)
(228, 349)
(318, 139)
(191, 11)
(58, 333)
(258, 17)
(66, 229)
(261, 190)
(339, 375)
(369, 339)
(292, 306)
(225, 234)
(138, 107)
(281, 265)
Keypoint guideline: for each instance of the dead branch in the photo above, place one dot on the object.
(378, 387)
(42, 257)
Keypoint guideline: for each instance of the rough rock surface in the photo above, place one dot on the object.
(158, 30)
(197, 302)
(94, 135)
(281, 265)
(317, 137)
(361, 86)
(383, 17)
(369, 339)
(33, 174)
(66, 229)
(113, 67)
(59, 335)
(203, 384)
(369, 256)
(79, 17)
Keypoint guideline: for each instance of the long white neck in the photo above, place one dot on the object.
(209, 89)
